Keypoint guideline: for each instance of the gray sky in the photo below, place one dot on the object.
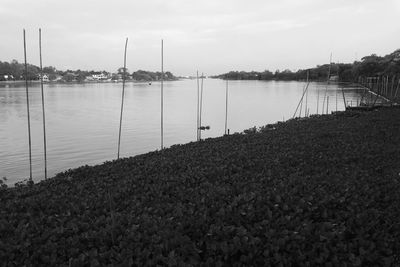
(213, 36)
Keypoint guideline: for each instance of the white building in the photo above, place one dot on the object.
(99, 77)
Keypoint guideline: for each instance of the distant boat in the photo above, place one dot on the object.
(149, 83)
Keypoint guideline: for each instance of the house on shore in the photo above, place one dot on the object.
(99, 77)
(45, 78)
(6, 77)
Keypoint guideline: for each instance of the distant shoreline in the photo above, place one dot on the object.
(82, 82)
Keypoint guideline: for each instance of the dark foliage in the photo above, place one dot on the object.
(16, 71)
(142, 75)
(369, 66)
(310, 192)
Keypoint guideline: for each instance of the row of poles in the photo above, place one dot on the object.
(199, 103)
(385, 87)
(200, 82)
(162, 98)
(325, 99)
(28, 109)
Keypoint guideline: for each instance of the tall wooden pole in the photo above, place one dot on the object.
(397, 88)
(336, 98)
(198, 106)
(301, 102)
(327, 82)
(226, 107)
(317, 99)
(43, 111)
(344, 99)
(306, 110)
(201, 103)
(27, 107)
(162, 94)
(298, 105)
(327, 104)
(122, 100)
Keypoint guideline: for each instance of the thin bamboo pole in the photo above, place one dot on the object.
(317, 99)
(43, 110)
(398, 84)
(378, 92)
(226, 107)
(201, 103)
(327, 104)
(301, 100)
(162, 94)
(336, 100)
(327, 82)
(344, 99)
(301, 103)
(122, 100)
(387, 87)
(305, 109)
(392, 87)
(198, 105)
(27, 107)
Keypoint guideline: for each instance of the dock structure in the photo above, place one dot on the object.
(379, 91)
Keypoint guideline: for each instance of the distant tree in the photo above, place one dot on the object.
(69, 77)
(121, 72)
(49, 70)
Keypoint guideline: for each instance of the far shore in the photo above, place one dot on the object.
(80, 82)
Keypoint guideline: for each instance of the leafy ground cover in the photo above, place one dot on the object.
(317, 191)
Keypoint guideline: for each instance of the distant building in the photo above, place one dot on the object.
(99, 77)
(8, 77)
(45, 78)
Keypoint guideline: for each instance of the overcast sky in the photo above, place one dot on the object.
(213, 36)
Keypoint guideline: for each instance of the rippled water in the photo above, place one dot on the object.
(82, 119)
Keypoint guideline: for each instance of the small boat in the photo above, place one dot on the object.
(149, 83)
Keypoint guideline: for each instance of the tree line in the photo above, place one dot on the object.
(14, 71)
(369, 66)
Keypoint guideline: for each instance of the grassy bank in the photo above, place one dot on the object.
(324, 190)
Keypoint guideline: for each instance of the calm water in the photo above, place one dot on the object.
(82, 119)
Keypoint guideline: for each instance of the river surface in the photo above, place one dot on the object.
(82, 120)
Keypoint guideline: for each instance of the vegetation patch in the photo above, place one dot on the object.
(308, 192)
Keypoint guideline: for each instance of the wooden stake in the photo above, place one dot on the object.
(398, 84)
(327, 104)
(344, 99)
(226, 107)
(162, 94)
(336, 100)
(327, 82)
(305, 109)
(301, 102)
(201, 103)
(198, 105)
(317, 99)
(122, 100)
(43, 112)
(392, 87)
(304, 91)
(27, 107)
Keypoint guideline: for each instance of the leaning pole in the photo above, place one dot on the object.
(27, 107)
(122, 100)
(43, 112)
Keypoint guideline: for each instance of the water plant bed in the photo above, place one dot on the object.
(317, 191)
